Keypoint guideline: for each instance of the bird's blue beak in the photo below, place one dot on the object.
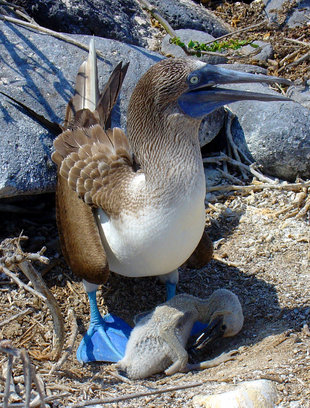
(203, 97)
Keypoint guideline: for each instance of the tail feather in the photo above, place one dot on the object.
(109, 95)
(86, 94)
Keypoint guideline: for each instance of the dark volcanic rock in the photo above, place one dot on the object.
(121, 20)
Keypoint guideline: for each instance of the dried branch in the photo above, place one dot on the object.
(44, 30)
(135, 395)
(8, 381)
(250, 169)
(40, 286)
(20, 283)
(15, 317)
(303, 43)
(13, 256)
(299, 60)
(229, 118)
(257, 187)
(71, 341)
(29, 375)
(18, 10)
(152, 10)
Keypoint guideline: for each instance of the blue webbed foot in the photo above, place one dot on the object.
(106, 338)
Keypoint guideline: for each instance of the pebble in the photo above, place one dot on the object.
(250, 394)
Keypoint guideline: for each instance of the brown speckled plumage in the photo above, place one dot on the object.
(97, 165)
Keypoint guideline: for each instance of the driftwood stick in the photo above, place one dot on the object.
(35, 403)
(152, 10)
(229, 119)
(135, 395)
(8, 382)
(40, 286)
(299, 60)
(14, 317)
(241, 165)
(38, 387)
(20, 283)
(260, 176)
(258, 187)
(71, 341)
(19, 11)
(44, 30)
(27, 375)
(303, 43)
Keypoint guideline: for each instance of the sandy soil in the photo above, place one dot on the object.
(265, 261)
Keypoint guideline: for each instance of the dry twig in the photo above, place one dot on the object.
(44, 30)
(303, 43)
(71, 341)
(13, 256)
(29, 374)
(135, 395)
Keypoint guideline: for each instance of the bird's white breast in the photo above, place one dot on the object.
(155, 240)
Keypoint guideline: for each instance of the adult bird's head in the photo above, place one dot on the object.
(180, 92)
(193, 85)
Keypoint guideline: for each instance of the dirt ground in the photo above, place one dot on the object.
(264, 260)
(262, 251)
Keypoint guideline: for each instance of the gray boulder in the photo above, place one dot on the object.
(186, 35)
(40, 71)
(262, 53)
(187, 14)
(289, 13)
(274, 134)
(300, 93)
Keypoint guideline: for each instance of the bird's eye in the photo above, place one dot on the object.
(194, 80)
(223, 327)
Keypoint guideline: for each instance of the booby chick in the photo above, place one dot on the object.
(135, 205)
(157, 343)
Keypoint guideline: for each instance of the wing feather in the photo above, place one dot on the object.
(80, 174)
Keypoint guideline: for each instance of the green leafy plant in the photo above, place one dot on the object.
(216, 46)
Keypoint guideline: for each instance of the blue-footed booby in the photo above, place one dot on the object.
(157, 342)
(135, 205)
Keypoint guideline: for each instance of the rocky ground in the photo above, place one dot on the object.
(262, 241)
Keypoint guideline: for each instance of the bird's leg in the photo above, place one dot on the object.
(177, 354)
(106, 337)
(171, 279)
(214, 362)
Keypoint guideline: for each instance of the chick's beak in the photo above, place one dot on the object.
(214, 331)
(203, 96)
